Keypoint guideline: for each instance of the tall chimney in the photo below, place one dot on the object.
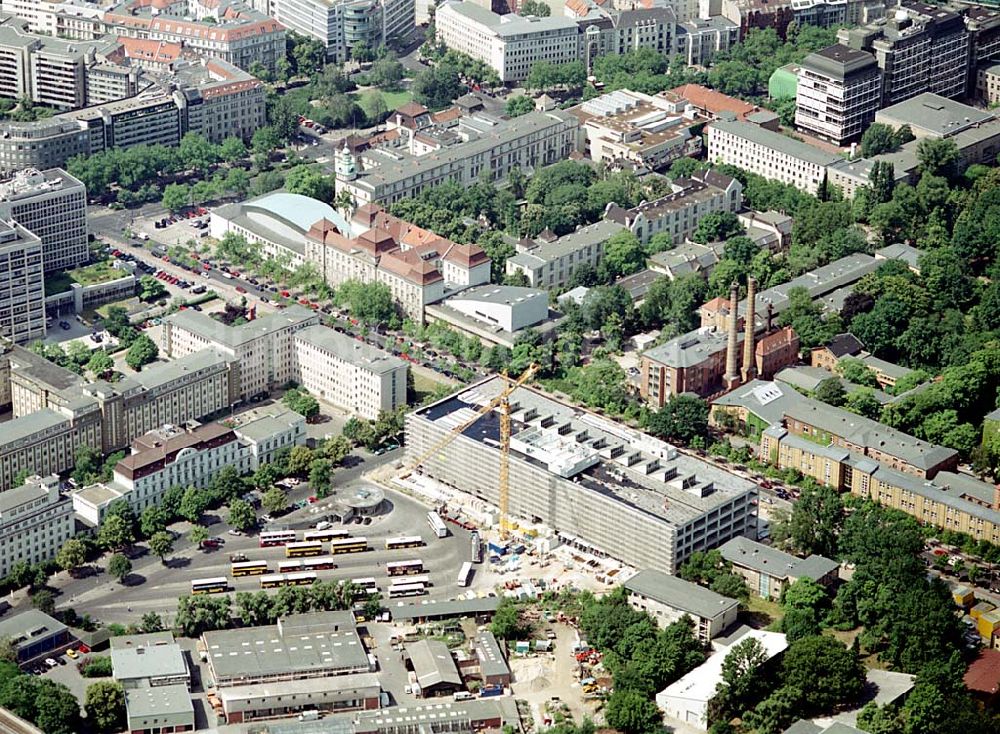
(732, 375)
(749, 358)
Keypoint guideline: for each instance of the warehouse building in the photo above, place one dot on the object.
(435, 668)
(493, 667)
(603, 487)
(360, 691)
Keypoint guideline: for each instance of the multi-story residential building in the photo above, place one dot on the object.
(229, 31)
(508, 44)
(570, 468)
(769, 571)
(53, 206)
(920, 48)
(35, 520)
(838, 93)
(620, 26)
(350, 374)
(988, 83)
(668, 598)
(22, 284)
(677, 214)
(46, 441)
(263, 348)
(700, 39)
(481, 145)
(340, 25)
(549, 261)
(751, 14)
(639, 129)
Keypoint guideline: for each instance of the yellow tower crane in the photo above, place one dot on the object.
(501, 401)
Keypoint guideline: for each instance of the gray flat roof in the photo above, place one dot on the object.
(675, 592)
(162, 373)
(815, 567)
(29, 624)
(512, 24)
(29, 425)
(452, 608)
(759, 557)
(839, 61)
(145, 661)
(491, 659)
(688, 350)
(268, 425)
(507, 295)
(158, 701)
(360, 354)
(593, 234)
(231, 336)
(777, 141)
(17, 496)
(769, 401)
(433, 663)
(934, 114)
(368, 682)
(149, 638)
(901, 251)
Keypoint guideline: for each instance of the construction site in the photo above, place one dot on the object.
(575, 478)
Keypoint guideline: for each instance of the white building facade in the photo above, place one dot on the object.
(34, 522)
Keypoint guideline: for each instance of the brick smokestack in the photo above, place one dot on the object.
(732, 376)
(749, 358)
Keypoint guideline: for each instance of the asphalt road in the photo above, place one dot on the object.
(154, 586)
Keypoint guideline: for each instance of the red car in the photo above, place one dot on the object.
(285, 294)
(240, 289)
(206, 266)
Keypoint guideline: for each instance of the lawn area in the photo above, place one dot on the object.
(393, 100)
(762, 613)
(424, 386)
(99, 272)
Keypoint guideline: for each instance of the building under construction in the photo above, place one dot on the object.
(600, 485)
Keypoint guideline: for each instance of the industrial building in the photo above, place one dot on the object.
(435, 668)
(599, 485)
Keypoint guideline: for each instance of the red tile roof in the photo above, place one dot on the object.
(983, 675)
(713, 102)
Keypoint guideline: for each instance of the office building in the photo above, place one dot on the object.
(677, 214)
(769, 571)
(480, 144)
(52, 205)
(495, 314)
(150, 660)
(838, 93)
(229, 31)
(700, 39)
(626, 127)
(340, 25)
(669, 598)
(34, 634)
(35, 520)
(262, 348)
(268, 430)
(569, 469)
(22, 284)
(918, 47)
(340, 370)
(549, 261)
(508, 44)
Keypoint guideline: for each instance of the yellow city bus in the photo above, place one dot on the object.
(248, 568)
(303, 548)
(210, 586)
(349, 545)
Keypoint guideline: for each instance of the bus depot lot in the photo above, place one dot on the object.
(155, 587)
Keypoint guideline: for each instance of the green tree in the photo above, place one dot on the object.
(161, 543)
(119, 566)
(299, 459)
(320, 471)
(44, 601)
(176, 196)
(72, 555)
(939, 157)
(507, 623)
(831, 392)
(194, 502)
(804, 603)
(683, 418)
(198, 614)
(632, 713)
(56, 709)
(105, 706)
(100, 363)
(828, 673)
(151, 622)
(877, 139)
(855, 371)
(309, 180)
(115, 532)
(518, 105)
(232, 149)
(197, 153)
(741, 684)
(150, 289)
(716, 226)
(142, 352)
(274, 500)
(227, 485)
(623, 254)
(536, 8)
(198, 534)
(154, 519)
(242, 515)
(816, 521)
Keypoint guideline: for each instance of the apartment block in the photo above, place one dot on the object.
(769, 571)
(670, 598)
(341, 370)
(838, 93)
(549, 261)
(22, 284)
(626, 127)
(340, 25)
(700, 39)
(508, 44)
(988, 83)
(52, 205)
(263, 348)
(229, 31)
(46, 441)
(677, 214)
(480, 146)
(35, 520)
(620, 26)
(602, 487)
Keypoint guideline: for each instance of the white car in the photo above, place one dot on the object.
(51, 663)
(234, 531)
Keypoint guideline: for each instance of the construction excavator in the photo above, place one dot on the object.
(501, 401)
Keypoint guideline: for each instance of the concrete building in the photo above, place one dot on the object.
(22, 284)
(350, 374)
(549, 261)
(700, 39)
(495, 314)
(919, 48)
(688, 698)
(435, 668)
(159, 709)
(838, 93)
(769, 571)
(677, 214)
(626, 127)
(330, 695)
(34, 634)
(298, 647)
(340, 25)
(566, 470)
(35, 520)
(268, 430)
(263, 348)
(231, 31)
(669, 598)
(52, 205)
(46, 441)
(152, 660)
(493, 667)
(480, 144)
(508, 44)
